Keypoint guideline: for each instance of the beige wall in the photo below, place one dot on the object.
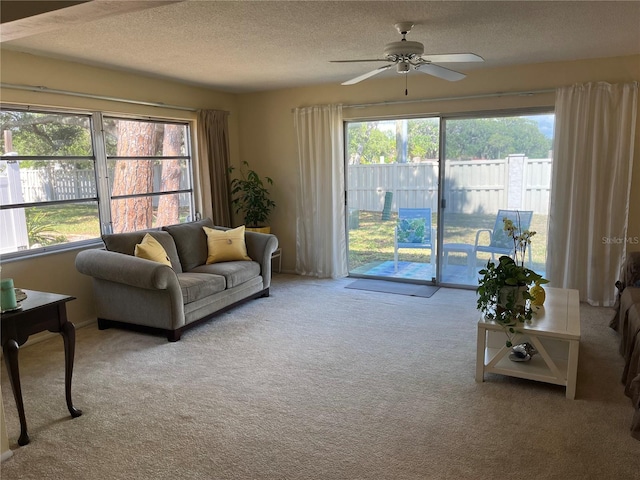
(261, 128)
(268, 139)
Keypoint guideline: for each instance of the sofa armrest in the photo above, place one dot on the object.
(125, 269)
(630, 272)
(260, 247)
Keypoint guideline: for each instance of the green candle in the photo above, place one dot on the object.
(8, 295)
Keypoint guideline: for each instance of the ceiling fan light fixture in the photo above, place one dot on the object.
(403, 67)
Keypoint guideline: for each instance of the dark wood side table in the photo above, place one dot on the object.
(40, 311)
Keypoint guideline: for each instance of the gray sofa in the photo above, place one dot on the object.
(627, 323)
(145, 295)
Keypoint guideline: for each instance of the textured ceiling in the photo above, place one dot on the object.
(243, 46)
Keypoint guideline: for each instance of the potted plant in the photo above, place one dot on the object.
(251, 198)
(503, 288)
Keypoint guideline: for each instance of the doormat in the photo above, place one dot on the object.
(398, 288)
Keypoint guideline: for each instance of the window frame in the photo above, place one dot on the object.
(100, 160)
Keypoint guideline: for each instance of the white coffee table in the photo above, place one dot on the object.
(554, 331)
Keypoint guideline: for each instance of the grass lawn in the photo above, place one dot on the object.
(65, 223)
(372, 240)
(58, 224)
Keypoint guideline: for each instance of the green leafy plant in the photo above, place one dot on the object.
(250, 196)
(503, 288)
(41, 232)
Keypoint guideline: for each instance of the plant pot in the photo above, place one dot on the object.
(507, 293)
(258, 229)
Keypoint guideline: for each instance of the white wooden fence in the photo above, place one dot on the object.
(471, 186)
(50, 184)
(13, 223)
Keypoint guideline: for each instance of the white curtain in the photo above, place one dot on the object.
(321, 248)
(592, 165)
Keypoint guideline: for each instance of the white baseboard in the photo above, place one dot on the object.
(6, 455)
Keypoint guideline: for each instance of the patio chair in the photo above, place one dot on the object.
(499, 242)
(413, 230)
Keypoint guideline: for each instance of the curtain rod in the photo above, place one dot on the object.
(528, 93)
(42, 89)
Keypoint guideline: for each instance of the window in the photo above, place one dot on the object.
(68, 177)
(148, 165)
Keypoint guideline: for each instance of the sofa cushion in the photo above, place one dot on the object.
(411, 230)
(225, 245)
(126, 243)
(150, 249)
(195, 286)
(191, 242)
(235, 273)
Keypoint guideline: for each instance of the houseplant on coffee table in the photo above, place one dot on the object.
(503, 288)
(250, 197)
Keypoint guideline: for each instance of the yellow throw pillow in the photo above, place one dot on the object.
(151, 249)
(226, 245)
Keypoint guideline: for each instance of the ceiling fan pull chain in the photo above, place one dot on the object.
(406, 90)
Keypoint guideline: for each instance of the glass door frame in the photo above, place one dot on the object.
(441, 181)
(444, 117)
(433, 280)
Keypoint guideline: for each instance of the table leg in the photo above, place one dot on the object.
(480, 348)
(68, 332)
(572, 369)
(11, 360)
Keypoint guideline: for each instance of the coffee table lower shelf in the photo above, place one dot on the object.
(555, 362)
(535, 369)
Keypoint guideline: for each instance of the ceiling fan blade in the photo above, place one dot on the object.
(367, 75)
(453, 57)
(440, 72)
(353, 61)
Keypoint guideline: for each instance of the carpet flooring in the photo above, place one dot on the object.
(318, 382)
(398, 288)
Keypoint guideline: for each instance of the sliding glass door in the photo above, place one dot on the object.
(392, 198)
(402, 226)
(495, 167)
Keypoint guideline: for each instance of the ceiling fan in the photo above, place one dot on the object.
(406, 56)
